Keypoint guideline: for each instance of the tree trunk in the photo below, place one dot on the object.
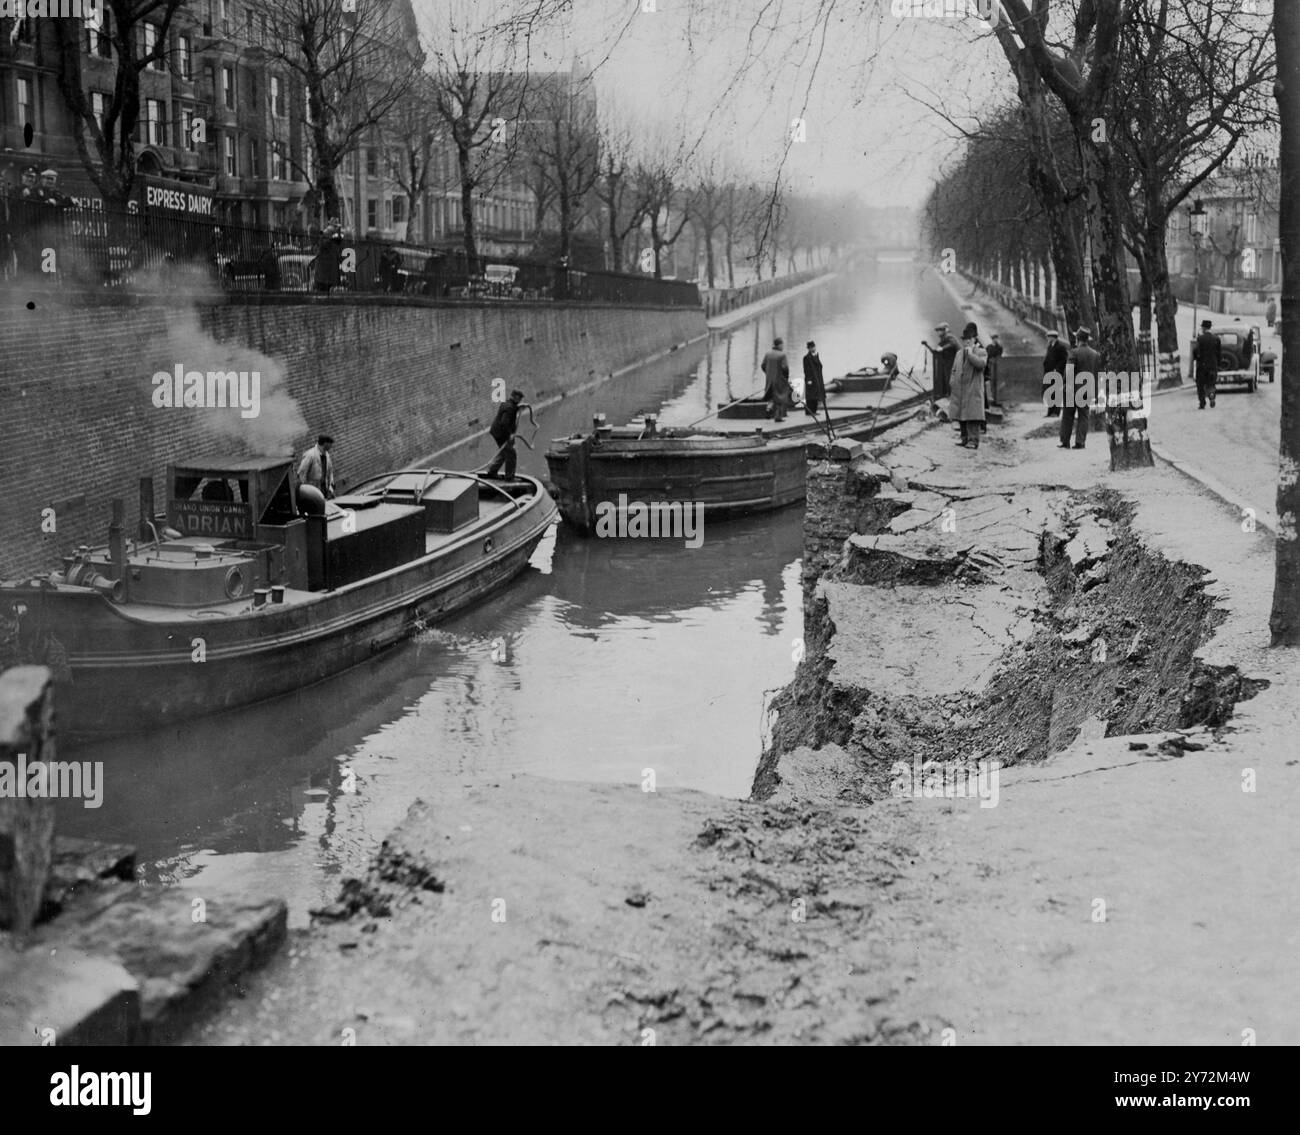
(467, 203)
(1045, 180)
(728, 251)
(1284, 622)
(710, 267)
(1168, 351)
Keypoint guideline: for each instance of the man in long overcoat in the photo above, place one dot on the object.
(967, 403)
(814, 388)
(776, 368)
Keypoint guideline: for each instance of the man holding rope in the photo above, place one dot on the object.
(503, 430)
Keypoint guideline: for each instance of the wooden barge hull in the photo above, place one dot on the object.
(130, 675)
(730, 476)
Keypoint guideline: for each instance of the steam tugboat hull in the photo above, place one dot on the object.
(136, 667)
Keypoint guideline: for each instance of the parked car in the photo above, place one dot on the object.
(1241, 360)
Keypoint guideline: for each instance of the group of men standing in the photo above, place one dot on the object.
(779, 392)
(24, 209)
(1086, 360)
(965, 374)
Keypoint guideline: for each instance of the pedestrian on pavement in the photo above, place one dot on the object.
(814, 389)
(502, 431)
(967, 403)
(1054, 360)
(1270, 312)
(776, 368)
(991, 371)
(1078, 402)
(329, 257)
(1205, 358)
(390, 269)
(317, 467)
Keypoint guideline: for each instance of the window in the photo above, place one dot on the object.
(150, 43)
(372, 163)
(398, 209)
(248, 24)
(277, 96)
(225, 16)
(232, 164)
(228, 86)
(1252, 228)
(154, 122)
(253, 163)
(183, 56)
(263, 29)
(25, 102)
(277, 163)
(97, 41)
(98, 106)
(372, 213)
(388, 213)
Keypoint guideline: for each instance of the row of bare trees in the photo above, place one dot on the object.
(1107, 139)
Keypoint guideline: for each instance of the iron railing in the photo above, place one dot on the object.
(147, 251)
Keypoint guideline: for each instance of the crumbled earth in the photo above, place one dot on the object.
(1133, 880)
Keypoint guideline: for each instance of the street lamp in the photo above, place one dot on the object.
(1198, 222)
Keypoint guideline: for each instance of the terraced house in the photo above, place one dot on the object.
(224, 116)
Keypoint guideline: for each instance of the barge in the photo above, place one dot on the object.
(251, 586)
(727, 465)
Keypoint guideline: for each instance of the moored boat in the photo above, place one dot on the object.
(252, 587)
(727, 466)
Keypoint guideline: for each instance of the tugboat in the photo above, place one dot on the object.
(728, 463)
(251, 586)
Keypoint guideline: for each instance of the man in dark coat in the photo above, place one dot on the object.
(329, 258)
(502, 431)
(1078, 403)
(944, 356)
(776, 368)
(1205, 357)
(814, 389)
(994, 351)
(1054, 361)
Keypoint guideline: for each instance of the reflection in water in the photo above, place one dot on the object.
(606, 658)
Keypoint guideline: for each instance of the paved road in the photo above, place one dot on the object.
(1232, 448)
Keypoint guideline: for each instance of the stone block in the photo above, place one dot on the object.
(66, 997)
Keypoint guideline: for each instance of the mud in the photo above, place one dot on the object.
(1115, 630)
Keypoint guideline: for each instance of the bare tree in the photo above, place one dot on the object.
(1194, 83)
(111, 163)
(355, 60)
(656, 174)
(411, 133)
(616, 188)
(563, 139)
(479, 100)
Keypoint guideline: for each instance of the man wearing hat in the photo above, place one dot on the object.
(1074, 415)
(1054, 370)
(25, 215)
(944, 355)
(994, 352)
(1205, 358)
(967, 405)
(776, 367)
(814, 389)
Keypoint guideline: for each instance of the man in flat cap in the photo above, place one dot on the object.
(1054, 360)
(944, 355)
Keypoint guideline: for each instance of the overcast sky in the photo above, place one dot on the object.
(732, 75)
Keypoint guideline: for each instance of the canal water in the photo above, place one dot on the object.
(606, 659)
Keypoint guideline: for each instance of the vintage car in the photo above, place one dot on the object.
(1241, 361)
